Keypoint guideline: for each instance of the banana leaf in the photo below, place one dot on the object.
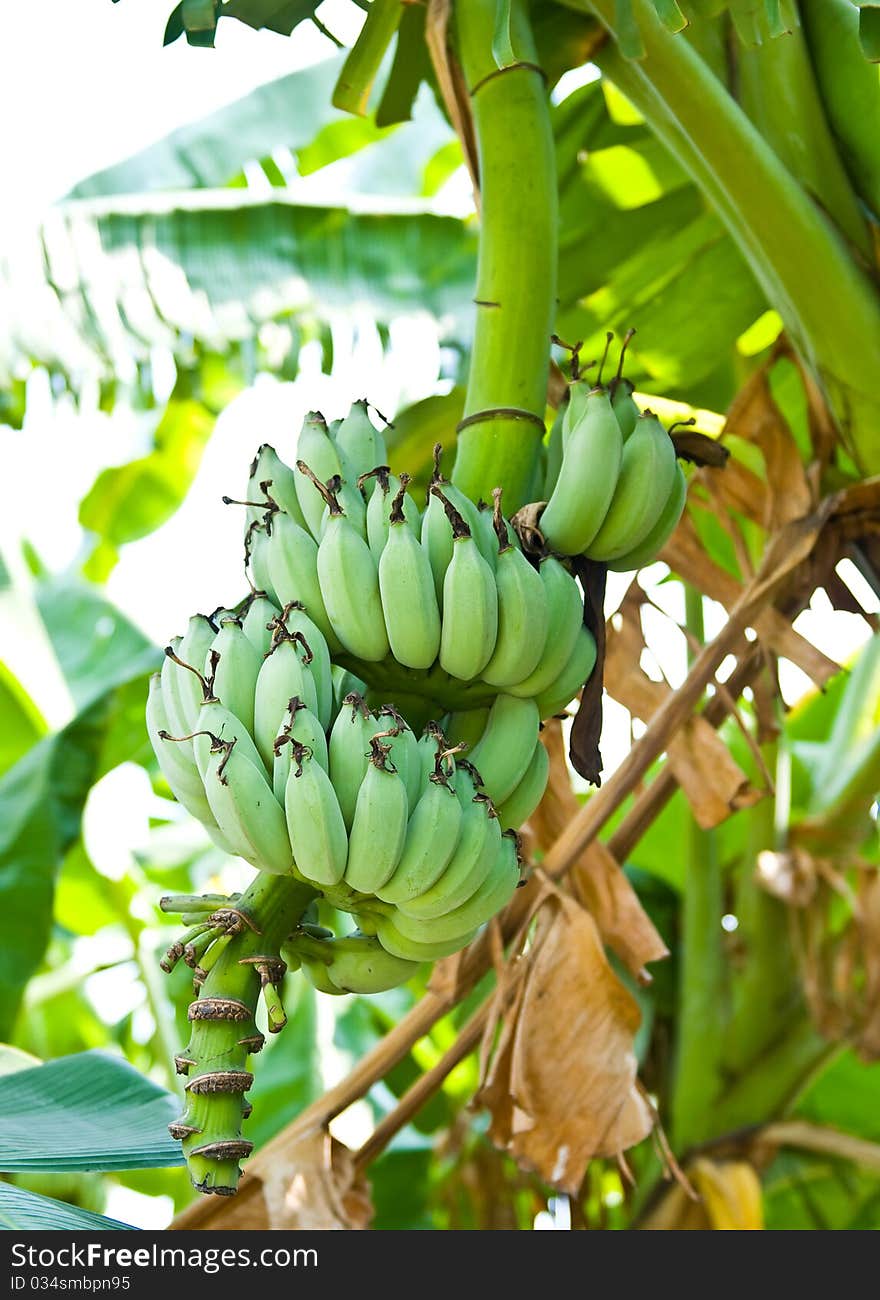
(23, 1211)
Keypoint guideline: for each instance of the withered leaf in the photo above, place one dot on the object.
(601, 885)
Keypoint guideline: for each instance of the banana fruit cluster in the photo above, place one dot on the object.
(615, 490)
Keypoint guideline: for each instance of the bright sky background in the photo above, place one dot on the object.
(84, 84)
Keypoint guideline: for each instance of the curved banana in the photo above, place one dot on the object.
(399, 945)
(624, 407)
(465, 728)
(318, 450)
(176, 765)
(591, 461)
(182, 679)
(349, 751)
(358, 442)
(314, 820)
(386, 488)
(406, 585)
(232, 666)
(647, 476)
(470, 603)
(554, 453)
(292, 562)
(404, 751)
(246, 810)
(216, 721)
(437, 530)
(431, 838)
(486, 536)
(459, 925)
(519, 806)
(573, 676)
(273, 481)
(522, 611)
(353, 963)
(282, 676)
(301, 727)
(294, 622)
(345, 683)
(257, 622)
(565, 616)
(649, 547)
(505, 749)
(378, 829)
(349, 582)
(256, 554)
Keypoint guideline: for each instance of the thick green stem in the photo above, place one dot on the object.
(224, 1032)
(359, 71)
(828, 303)
(516, 276)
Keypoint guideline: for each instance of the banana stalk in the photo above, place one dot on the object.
(503, 425)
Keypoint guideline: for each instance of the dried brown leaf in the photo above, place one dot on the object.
(604, 890)
(755, 417)
(562, 1087)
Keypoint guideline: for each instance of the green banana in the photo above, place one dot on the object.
(505, 749)
(437, 528)
(314, 820)
(465, 728)
(256, 555)
(301, 727)
(292, 562)
(431, 838)
(345, 683)
(282, 676)
(358, 442)
(485, 535)
(182, 679)
(294, 622)
(386, 488)
(215, 720)
(353, 963)
(231, 667)
(459, 924)
(591, 461)
(317, 449)
(565, 616)
(573, 676)
(649, 547)
(519, 806)
(349, 751)
(349, 582)
(625, 409)
(406, 585)
(432, 744)
(257, 622)
(470, 603)
(554, 453)
(379, 826)
(176, 765)
(275, 482)
(245, 808)
(399, 945)
(522, 611)
(478, 844)
(404, 748)
(647, 476)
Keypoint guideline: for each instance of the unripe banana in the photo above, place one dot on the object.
(505, 749)
(554, 454)
(345, 683)
(573, 676)
(565, 616)
(318, 450)
(485, 536)
(314, 820)
(176, 764)
(354, 963)
(273, 481)
(232, 666)
(410, 950)
(431, 838)
(317, 972)
(283, 675)
(349, 751)
(437, 534)
(293, 621)
(406, 585)
(519, 806)
(478, 843)
(647, 476)
(649, 547)
(465, 728)
(257, 621)
(351, 503)
(404, 751)
(256, 554)
(350, 583)
(359, 443)
(470, 604)
(378, 829)
(292, 561)
(459, 925)
(246, 810)
(522, 612)
(591, 462)
(386, 488)
(215, 720)
(301, 727)
(184, 690)
(625, 409)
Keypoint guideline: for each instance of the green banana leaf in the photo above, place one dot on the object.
(88, 1111)
(21, 724)
(22, 1211)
